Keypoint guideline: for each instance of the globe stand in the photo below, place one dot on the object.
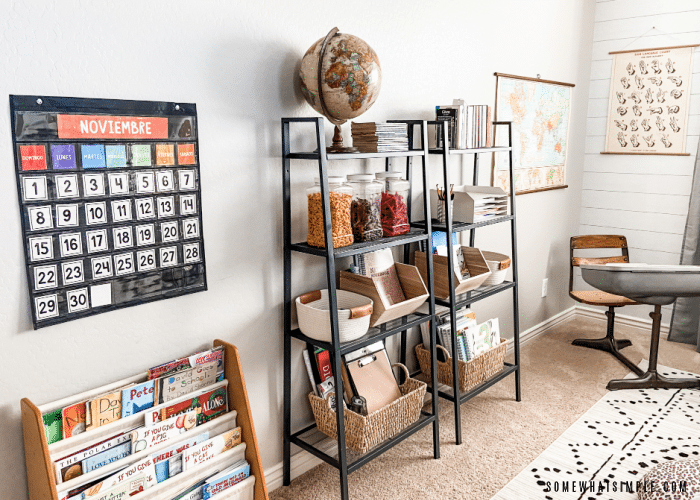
(338, 146)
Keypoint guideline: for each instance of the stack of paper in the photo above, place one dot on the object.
(380, 137)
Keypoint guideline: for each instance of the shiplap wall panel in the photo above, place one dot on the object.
(630, 164)
(664, 23)
(606, 200)
(639, 9)
(631, 219)
(643, 240)
(638, 183)
(602, 49)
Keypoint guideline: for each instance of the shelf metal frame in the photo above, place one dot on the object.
(417, 235)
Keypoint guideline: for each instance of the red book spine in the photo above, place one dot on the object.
(323, 359)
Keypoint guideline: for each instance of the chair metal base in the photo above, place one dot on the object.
(651, 379)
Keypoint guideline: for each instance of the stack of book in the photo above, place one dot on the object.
(472, 339)
(470, 127)
(156, 433)
(380, 137)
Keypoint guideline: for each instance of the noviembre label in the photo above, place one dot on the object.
(141, 155)
(33, 157)
(185, 154)
(165, 154)
(63, 156)
(111, 127)
(116, 156)
(93, 156)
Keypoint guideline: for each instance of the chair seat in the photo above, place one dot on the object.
(599, 298)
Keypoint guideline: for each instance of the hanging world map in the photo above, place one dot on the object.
(540, 113)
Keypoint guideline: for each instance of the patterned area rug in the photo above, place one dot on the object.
(608, 450)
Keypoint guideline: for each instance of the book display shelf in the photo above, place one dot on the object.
(455, 302)
(40, 455)
(310, 438)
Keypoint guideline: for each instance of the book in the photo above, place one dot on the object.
(106, 457)
(309, 370)
(137, 398)
(193, 492)
(73, 419)
(449, 114)
(53, 425)
(144, 468)
(105, 409)
(379, 137)
(210, 448)
(210, 403)
(168, 462)
(226, 478)
(70, 466)
(123, 490)
(216, 354)
(323, 360)
(144, 438)
(186, 381)
(489, 128)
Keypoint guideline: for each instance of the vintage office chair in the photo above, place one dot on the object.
(600, 298)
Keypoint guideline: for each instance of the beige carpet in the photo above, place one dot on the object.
(501, 436)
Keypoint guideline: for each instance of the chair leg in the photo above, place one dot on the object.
(610, 344)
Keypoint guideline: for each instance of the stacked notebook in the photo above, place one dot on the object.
(472, 339)
(380, 137)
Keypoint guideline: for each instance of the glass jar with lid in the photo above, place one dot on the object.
(340, 197)
(394, 203)
(366, 207)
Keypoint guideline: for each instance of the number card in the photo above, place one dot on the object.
(110, 203)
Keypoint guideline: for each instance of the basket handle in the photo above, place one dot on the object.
(447, 353)
(310, 297)
(361, 311)
(403, 367)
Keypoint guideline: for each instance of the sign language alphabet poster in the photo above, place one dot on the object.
(649, 96)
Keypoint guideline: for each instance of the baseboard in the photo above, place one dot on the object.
(620, 319)
(304, 461)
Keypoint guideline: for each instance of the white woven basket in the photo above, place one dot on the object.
(354, 312)
(498, 264)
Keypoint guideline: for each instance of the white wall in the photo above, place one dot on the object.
(643, 197)
(237, 61)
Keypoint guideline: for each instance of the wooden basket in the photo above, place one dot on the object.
(473, 259)
(411, 283)
(472, 372)
(363, 433)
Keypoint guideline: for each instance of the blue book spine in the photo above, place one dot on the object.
(107, 457)
(162, 471)
(137, 398)
(224, 482)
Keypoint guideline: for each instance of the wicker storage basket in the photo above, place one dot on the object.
(363, 433)
(472, 372)
(354, 312)
(411, 284)
(474, 261)
(498, 264)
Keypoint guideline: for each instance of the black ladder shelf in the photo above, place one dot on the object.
(309, 438)
(455, 302)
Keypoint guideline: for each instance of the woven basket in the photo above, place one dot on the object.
(354, 312)
(498, 264)
(472, 372)
(363, 433)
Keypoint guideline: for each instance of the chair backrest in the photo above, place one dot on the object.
(590, 242)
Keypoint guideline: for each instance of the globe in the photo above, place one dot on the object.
(350, 76)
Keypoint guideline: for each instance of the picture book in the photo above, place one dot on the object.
(209, 403)
(53, 425)
(123, 490)
(105, 409)
(70, 467)
(216, 354)
(73, 419)
(137, 398)
(169, 461)
(186, 381)
(144, 438)
(78, 492)
(106, 457)
(193, 492)
(226, 478)
(207, 450)
(143, 468)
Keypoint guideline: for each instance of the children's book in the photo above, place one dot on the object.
(186, 381)
(209, 403)
(106, 457)
(73, 419)
(137, 398)
(144, 438)
(123, 490)
(53, 425)
(143, 468)
(207, 450)
(105, 409)
(169, 461)
(70, 467)
(216, 354)
(193, 492)
(228, 477)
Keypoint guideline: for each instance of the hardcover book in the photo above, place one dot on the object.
(186, 381)
(226, 478)
(169, 461)
(207, 450)
(143, 468)
(209, 404)
(193, 492)
(73, 419)
(105, 409)
(122, 491)
(144, 438)
(137, 398)
(106, 457)
(70, 467)
(53, 425)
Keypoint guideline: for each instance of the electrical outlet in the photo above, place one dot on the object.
(544, 286)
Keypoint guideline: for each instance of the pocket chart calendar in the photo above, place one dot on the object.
(109, 195)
